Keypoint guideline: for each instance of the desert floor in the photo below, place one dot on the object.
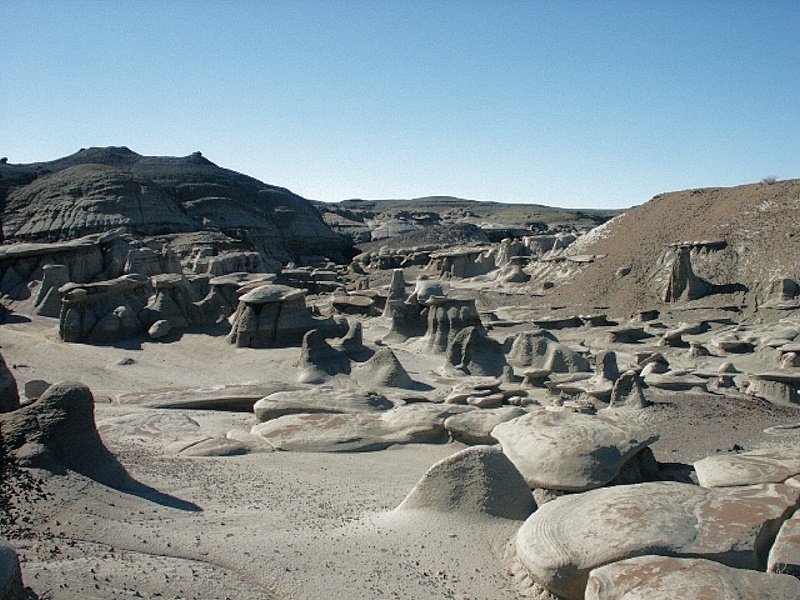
(282, 524)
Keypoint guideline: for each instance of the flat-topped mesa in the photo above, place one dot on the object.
(274, 315)
(446, 317)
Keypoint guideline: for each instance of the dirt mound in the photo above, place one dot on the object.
(98, 189)
(743, 237)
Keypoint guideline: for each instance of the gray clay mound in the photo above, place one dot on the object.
(478, 480)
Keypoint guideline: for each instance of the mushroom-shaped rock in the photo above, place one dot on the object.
(477, 480)
(426, 290)
(565, 450)
(315, 399)
(771, 465)
(9, 394)
(667, 578)
(11, 586)
(475, 427)
(565, 539)
(271, 315)
(59, 430)
(383, 370)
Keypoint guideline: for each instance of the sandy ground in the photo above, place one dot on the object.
(277, 524)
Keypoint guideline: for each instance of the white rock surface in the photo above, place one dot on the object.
(566, 538)
(772, 465)
(352, 432)
(668, 578)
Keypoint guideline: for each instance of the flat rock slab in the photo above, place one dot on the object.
(566, 538)
(668, 578)
(414, 423)
(565, 450)
(479, 480)
(227, 397)
(773, 465)
(272, 292)
(313, 399)
(475, 427)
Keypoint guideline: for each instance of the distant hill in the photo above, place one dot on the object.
(98, 189)
(371, 220)
(758, 226)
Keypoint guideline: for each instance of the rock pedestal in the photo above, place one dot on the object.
(270, 316)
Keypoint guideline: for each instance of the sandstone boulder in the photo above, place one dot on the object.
(475, 427)
(784, 556)
(11, 586)
(570, 451)
(319, 399)
(772, 465)
(413, 423)
(667, 578)
(565, 539)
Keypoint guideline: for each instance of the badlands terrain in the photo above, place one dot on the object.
(211, 387)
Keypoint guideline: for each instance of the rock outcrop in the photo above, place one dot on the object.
(479, 480)
(58, 431)
(447, 317)
(272, 315)
(99, 189)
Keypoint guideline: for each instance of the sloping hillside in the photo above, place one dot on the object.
(372, 220)
(758, 223)
(99, 189)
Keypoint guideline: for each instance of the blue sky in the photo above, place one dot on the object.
(568, 103)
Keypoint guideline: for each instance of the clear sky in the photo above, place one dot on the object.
(567, 103)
